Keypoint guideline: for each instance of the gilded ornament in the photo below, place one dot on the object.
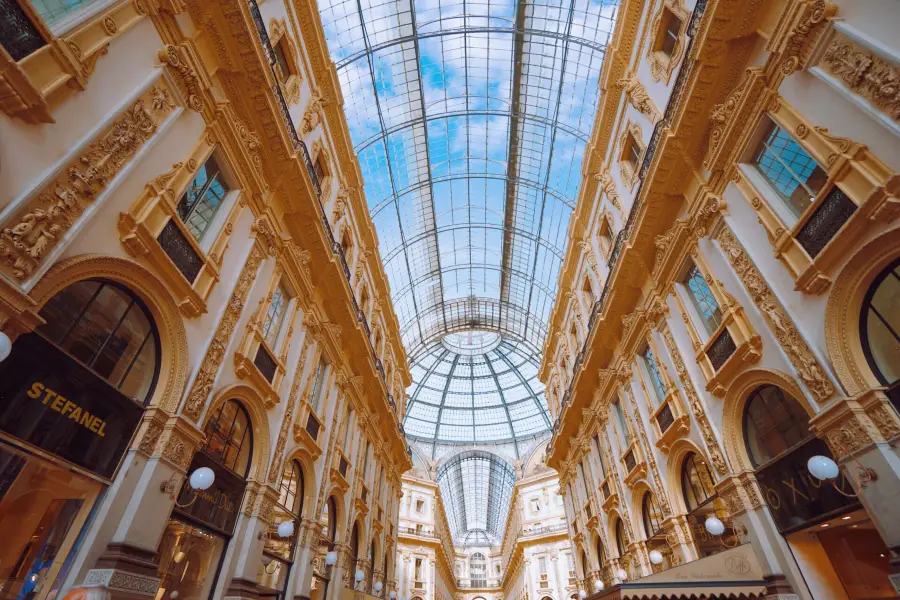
(786, 333)
(176, 58)
(864, 72)
(638, 97)
(110, 26)
(203, 384)
(37, 228)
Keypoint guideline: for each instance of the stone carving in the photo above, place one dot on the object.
(38, 227)
(150, 439)
(722, 114)
(275, 466)
(268, 236)
(251, 142)
(203, 384)
(815, 15)
(812, 374)
(865, 73)
(638, 97)
(176, 58)
(178, 450)
(712, 444)
(313, 115)
(588, 251)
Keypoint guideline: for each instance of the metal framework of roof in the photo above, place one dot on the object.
(470, 119)
(477, 489)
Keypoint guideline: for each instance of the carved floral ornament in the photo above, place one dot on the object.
(37, 227)
(864, 72)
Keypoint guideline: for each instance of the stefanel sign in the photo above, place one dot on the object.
(796, 498)
(51, 401)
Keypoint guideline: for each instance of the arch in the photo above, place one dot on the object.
(354, 544)
(735, 404)
(585, 563)
(677, 453)
(230, 423)
(651, 515)
(174, 359)
(600, 552)
(302, 456)
(250, 399)
(842, 313)
(621, 537)
(697, 484)
(333, 507)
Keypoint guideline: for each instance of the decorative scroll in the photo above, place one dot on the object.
(808, 367)
(865, 73)
(712, 444)
(203, 384)
(42, 222)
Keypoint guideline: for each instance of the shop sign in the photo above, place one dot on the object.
(51, 401)
(796, 498)
(217, 506)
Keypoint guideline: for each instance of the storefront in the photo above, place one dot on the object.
(839, 551)
(202, 522)
(71, 398)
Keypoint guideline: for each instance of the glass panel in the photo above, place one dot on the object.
(703, 300)
(658, 385)
(881, 335)
(773, 424)
(622, 423)
(188, 559)
(795, 174)
(54, 11)
(275, 316)
(670, 34)
(651, 515)
(103, 327)
(42, 511)
(696, 482)
(317, 384)
(861, 560)
(284, 67)
(202, 199)
(228, 438)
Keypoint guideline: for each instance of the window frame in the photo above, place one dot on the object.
(891, 269)
(248, 437)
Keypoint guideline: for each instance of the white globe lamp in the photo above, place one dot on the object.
(286, 529)
(715, 526)
(621, 575)
(656, 557)
(202, 478)
(582, 594)
(5, 346)
(378, 587)
(359, 575)
(174, 594)
(822, 467)
(330, 558)
(393, 595)
(598, 585)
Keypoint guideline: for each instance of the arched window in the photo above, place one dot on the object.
(773, 424)
(229, 437)
(585, 569)
(696, 482)
(291, 489)
(331, 519)
(621, 538)
(879, 325)
(105, 327)
(478, 569)
(354, 552)
(371, 568)
(650, 515)
(601, 555)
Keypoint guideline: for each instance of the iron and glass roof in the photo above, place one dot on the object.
(477, 490)
(470, 120)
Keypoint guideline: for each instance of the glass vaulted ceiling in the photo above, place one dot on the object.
(470, 120)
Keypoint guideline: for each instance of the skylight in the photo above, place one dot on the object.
(470, 120)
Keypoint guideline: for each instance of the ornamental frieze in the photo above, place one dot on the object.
(42, 221)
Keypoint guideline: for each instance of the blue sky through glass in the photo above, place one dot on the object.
(470, 120)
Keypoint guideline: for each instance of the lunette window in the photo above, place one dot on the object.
(109, 330)
(774, 422)
(880, 328)
(794, 174)
(203, 198)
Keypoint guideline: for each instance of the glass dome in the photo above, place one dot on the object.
(476, 386)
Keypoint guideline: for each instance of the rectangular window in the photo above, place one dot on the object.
(600, 457)
(542, 565)
(672, 27)
(632, 151)
(418, 569)
(622, 422)
(346, 435)
(584, 484)
(318, 384)
(56, 11)
(275, 315)
(281, 60)
(319, 169)
(658, 385)
(203, 198)
(366, 461)
(420, 506)
(703, 300)
(794, 174)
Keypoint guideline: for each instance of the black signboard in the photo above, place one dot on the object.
(796, 498)
(51, 401)
(217, 506)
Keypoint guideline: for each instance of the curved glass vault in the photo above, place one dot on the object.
(477, 489)
(470, 119)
